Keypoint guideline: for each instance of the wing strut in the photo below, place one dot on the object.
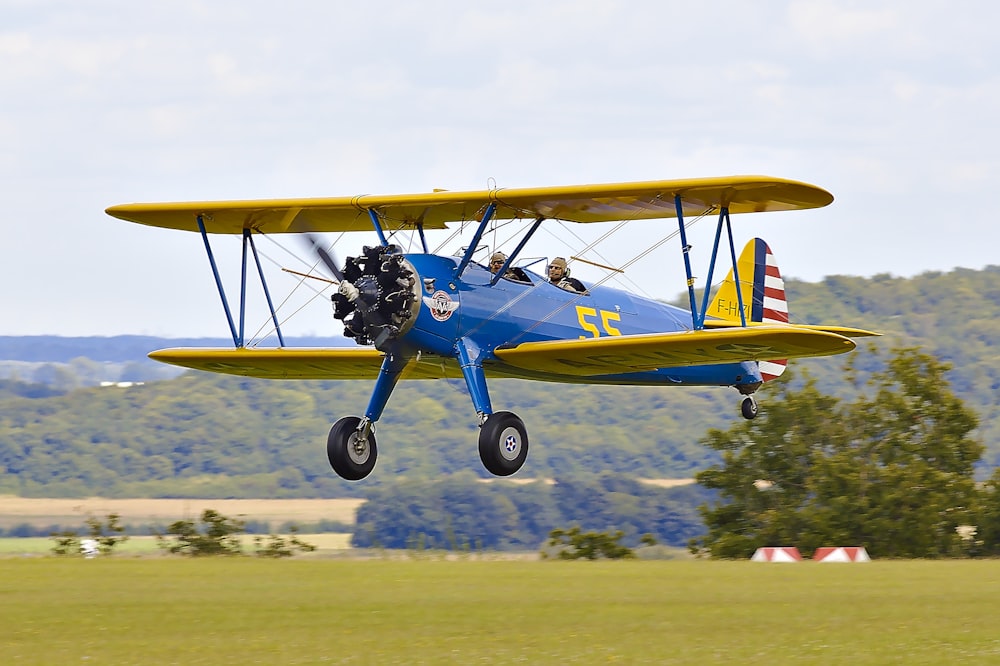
(513, 255)
(423, 239)
(723, 218)
(238, 335)
(698, 318)
(377, 223)
(736, 279)
(263, 283)
(487, 216)
(686, 251)
(218, 281)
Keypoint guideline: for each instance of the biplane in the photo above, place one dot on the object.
(421, 315)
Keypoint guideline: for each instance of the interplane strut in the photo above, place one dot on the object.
(239, 339)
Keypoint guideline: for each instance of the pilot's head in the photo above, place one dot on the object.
(557, 269)
(497, 261)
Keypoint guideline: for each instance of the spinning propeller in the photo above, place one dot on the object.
(377, 299)
(325, 257)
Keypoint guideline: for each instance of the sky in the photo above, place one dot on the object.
(891, 106)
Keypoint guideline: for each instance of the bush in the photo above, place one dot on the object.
(217, 535)
(575, 544)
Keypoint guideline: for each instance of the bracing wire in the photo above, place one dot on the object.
(556, 310)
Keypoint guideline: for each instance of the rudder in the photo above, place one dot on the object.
(763, 294)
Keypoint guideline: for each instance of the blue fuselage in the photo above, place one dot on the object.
(509, 313)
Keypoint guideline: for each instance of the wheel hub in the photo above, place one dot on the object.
(358, 449)
(510, 443)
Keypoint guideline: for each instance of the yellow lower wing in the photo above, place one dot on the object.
(293, 363)
(635, 353)
(580, 358)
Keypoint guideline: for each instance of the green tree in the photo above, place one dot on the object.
(575, 544)
(217, 535)
(67, 542)
(986, 539)
(891, 470)
(108, 534)
(276, 546)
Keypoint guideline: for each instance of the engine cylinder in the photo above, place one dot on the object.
(381, 300)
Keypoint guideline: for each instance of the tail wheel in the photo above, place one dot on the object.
(749, 408)
(503, 444)
(351, 456)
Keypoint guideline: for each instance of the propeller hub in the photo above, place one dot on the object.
(380, 299)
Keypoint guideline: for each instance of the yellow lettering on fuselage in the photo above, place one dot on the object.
(607, 316)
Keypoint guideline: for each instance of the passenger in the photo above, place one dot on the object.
(559, 276)
(512, 273)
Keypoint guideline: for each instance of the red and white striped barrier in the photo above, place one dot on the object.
(841, 554)
(778, 554)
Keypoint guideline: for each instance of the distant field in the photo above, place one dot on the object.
(44, 512)
(381, 611)
(326, 543)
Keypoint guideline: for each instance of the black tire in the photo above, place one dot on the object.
(749, 408)
(503, 444)
(347, 458)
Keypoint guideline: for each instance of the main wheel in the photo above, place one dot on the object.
(503, 444)
(749, 408)
(350, 456)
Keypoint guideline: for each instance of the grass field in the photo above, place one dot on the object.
(381, 611)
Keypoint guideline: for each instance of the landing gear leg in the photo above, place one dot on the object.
(351, 447)
(503, 439)
(749, 408)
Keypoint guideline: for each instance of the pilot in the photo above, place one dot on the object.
(559, 276)
(497, 261)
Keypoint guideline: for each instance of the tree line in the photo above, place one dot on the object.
(461, 512)
(202, 435)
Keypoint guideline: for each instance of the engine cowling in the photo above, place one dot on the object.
(378, 299)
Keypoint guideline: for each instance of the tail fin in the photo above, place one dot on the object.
(763, 295)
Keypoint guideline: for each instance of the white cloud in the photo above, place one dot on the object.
(890, 105)
(827, 26)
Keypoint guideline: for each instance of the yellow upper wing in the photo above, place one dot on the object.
(578, 203)
(635, 353)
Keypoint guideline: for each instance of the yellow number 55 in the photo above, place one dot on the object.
(607, 316)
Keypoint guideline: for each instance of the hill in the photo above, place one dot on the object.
(198, 435)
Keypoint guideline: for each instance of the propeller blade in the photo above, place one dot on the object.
(325, 257)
